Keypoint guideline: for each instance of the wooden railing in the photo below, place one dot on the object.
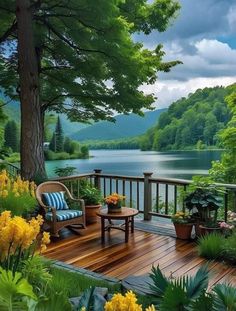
(151, 196)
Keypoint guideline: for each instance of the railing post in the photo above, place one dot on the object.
(97, 179)
(147, 204)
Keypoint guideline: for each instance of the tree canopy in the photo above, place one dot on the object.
(190, 122)
(78, 57)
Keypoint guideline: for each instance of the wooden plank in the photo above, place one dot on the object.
(144, 249)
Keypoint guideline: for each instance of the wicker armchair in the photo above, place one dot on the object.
(57, 219)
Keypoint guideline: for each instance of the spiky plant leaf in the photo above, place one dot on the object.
(160, 282)
(174, 299)
(203, 303)
(225, 299)
(198, 284)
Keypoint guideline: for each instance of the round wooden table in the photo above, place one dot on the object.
(127, 214)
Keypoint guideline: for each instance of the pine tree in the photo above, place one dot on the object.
(11, 136)
(57, 141)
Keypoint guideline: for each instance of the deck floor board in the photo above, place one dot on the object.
(118, 259)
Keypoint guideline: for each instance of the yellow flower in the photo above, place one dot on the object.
(150, 308)
(123, 303)
(46, 238)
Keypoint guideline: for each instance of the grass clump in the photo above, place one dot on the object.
(73, 283)
(211, 246)
(229, 251)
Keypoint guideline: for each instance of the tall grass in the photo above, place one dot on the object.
(211, 246)
(74, 283)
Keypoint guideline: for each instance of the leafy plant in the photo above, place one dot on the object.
(211, 246)
(181, 218)
(91, 301)
(37, 272)
(225, 298)
(65, 171)
(203, 199)
(90, 194)
(13, 290)
(181, 293)
(229, 248)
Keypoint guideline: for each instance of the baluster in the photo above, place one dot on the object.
(226, 205)
(78, 187)
(117, 186)
(166, 199)
(157, 197)
(71, 187)
(185, 187)
(130, 193)
(175, 199)
(137, 195)
(104, 187)
(110, 185)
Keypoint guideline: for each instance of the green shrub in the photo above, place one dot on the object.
(211, 246)
(229, 249)
(74, 283)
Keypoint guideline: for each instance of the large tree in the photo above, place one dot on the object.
(77, 57)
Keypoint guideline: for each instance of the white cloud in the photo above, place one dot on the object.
(169, 91)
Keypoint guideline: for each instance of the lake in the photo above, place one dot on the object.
(178, 164)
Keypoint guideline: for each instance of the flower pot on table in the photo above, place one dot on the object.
(114, 208)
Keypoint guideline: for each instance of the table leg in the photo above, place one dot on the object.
(102, 230)
(132, 224)
(126, 230)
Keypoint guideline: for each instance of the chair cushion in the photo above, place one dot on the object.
(55, 199)
(64, 215)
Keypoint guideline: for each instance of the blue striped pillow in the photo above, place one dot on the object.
(55, 199)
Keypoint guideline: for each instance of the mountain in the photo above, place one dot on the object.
(192, 122)
(12, 110)
(125, 126)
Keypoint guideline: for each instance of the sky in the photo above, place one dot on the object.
(203, 37)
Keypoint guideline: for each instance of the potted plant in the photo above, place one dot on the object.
(203, 200)
(183, 225)
(92, 198)
(114, 202)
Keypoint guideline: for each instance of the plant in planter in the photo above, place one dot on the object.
(114, 202)
(203, 199)
(92, 198)
(183, 225)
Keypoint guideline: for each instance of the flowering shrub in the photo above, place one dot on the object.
(232, 218)
(19, 239)
(181, 218)
(16, 195)
(125, 303)
(114, 198)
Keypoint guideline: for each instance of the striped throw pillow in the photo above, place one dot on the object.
(55, 199)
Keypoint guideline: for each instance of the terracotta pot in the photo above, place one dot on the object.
(207, 230)
(91, 213)
(183, 231)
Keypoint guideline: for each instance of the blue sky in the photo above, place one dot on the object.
(203, 37)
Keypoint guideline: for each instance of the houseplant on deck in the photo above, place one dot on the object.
(92, 198)
(183, 225)
(114, 202)
(203, 199)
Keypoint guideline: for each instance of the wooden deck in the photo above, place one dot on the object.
(118, 259)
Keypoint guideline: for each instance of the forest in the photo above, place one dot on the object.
(191, 123)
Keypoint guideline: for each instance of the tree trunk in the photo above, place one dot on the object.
(32, 157)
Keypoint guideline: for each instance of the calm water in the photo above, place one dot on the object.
(182, 164)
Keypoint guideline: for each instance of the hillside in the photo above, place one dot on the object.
(126, 126)
(12, 110)
(191, 122)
